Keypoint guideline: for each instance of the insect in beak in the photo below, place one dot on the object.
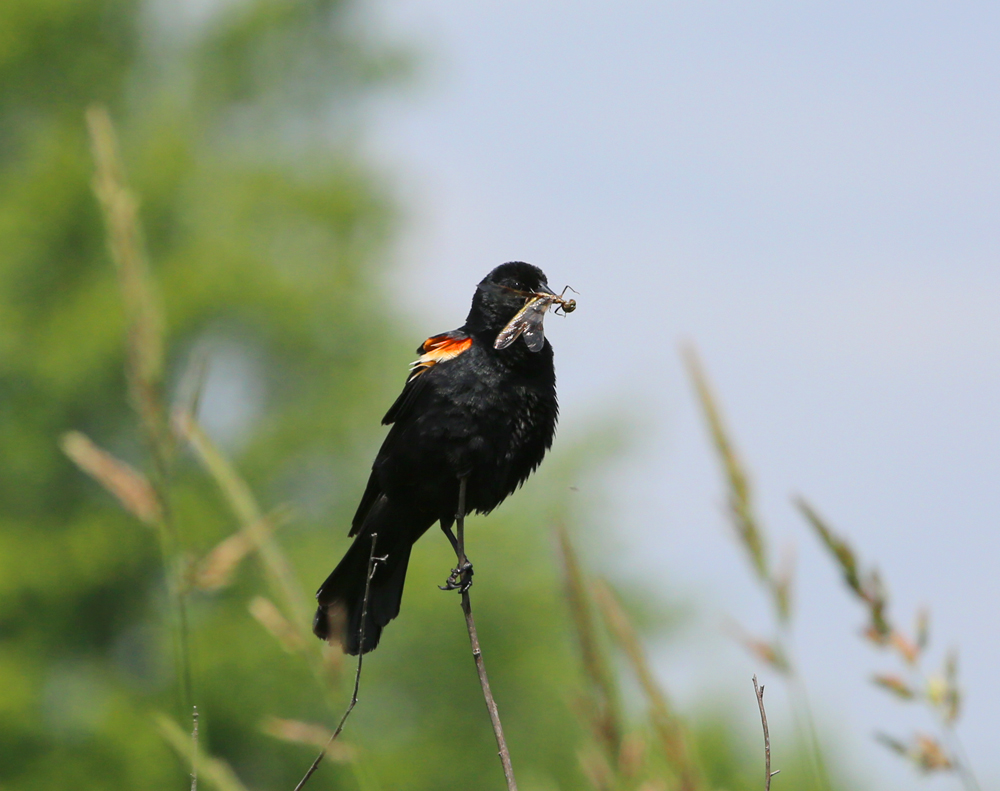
(528, 320)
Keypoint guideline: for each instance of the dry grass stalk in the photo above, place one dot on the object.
(939, 691)
(740, 492)
(233, 487)
(256, 533)
(145, 323)
(777, 583)
(255, 527)
(144, 361)
(310, 734)
(632, 756)
(597, 769)
(868, 587)
(906, 648)
(124, 482)
(894, 684)
(924, 751)
(668, 727)
(215, 771)
(601, 707)
(929, 755)
(741, 507)
(144, 369)
(950, 699)
(270, 618)
(216, 569)
(771, 652)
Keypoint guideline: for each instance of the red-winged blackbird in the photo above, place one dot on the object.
(467, 411)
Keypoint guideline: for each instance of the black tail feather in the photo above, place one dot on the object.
(341, 596)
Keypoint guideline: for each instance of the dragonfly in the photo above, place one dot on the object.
(528, 320)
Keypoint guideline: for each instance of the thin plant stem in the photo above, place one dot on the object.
(215, 771)
(357, 674)
(803, 712)
(477, 654)
(252, 519)
(174, 568)
(768, 774)
(965, 772)
(194, 750)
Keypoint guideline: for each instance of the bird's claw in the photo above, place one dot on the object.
(460, 579)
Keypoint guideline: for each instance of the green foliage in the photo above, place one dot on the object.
(260, 254)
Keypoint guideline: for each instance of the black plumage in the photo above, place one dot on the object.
(467, 410)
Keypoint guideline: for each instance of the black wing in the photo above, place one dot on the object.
(433, 351)
(436, 349)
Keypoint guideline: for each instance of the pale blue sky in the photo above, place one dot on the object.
(808, 192)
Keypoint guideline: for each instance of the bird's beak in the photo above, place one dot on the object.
(544, 289)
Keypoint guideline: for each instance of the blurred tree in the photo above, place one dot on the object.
(264, 232)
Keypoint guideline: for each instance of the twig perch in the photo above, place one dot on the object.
(477, 654)
(768, 774)
(357, 674)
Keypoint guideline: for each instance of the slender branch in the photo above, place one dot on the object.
(357, 674)
(477, 654)
(214, 771)
(768, 774)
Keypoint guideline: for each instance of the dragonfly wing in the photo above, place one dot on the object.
(534, 336)
(514, 327)
(509, 334)
(527, 321)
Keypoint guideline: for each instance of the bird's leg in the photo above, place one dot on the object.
(451, 537)
(464, 566)
(461, 575)
(452, 582)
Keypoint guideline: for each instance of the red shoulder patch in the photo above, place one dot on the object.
(436, 350)
(447, 345)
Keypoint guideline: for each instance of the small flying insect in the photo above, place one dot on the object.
(528, 320)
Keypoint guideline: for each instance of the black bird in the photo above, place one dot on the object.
(468, 410)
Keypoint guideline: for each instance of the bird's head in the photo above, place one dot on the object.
(502, 293)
